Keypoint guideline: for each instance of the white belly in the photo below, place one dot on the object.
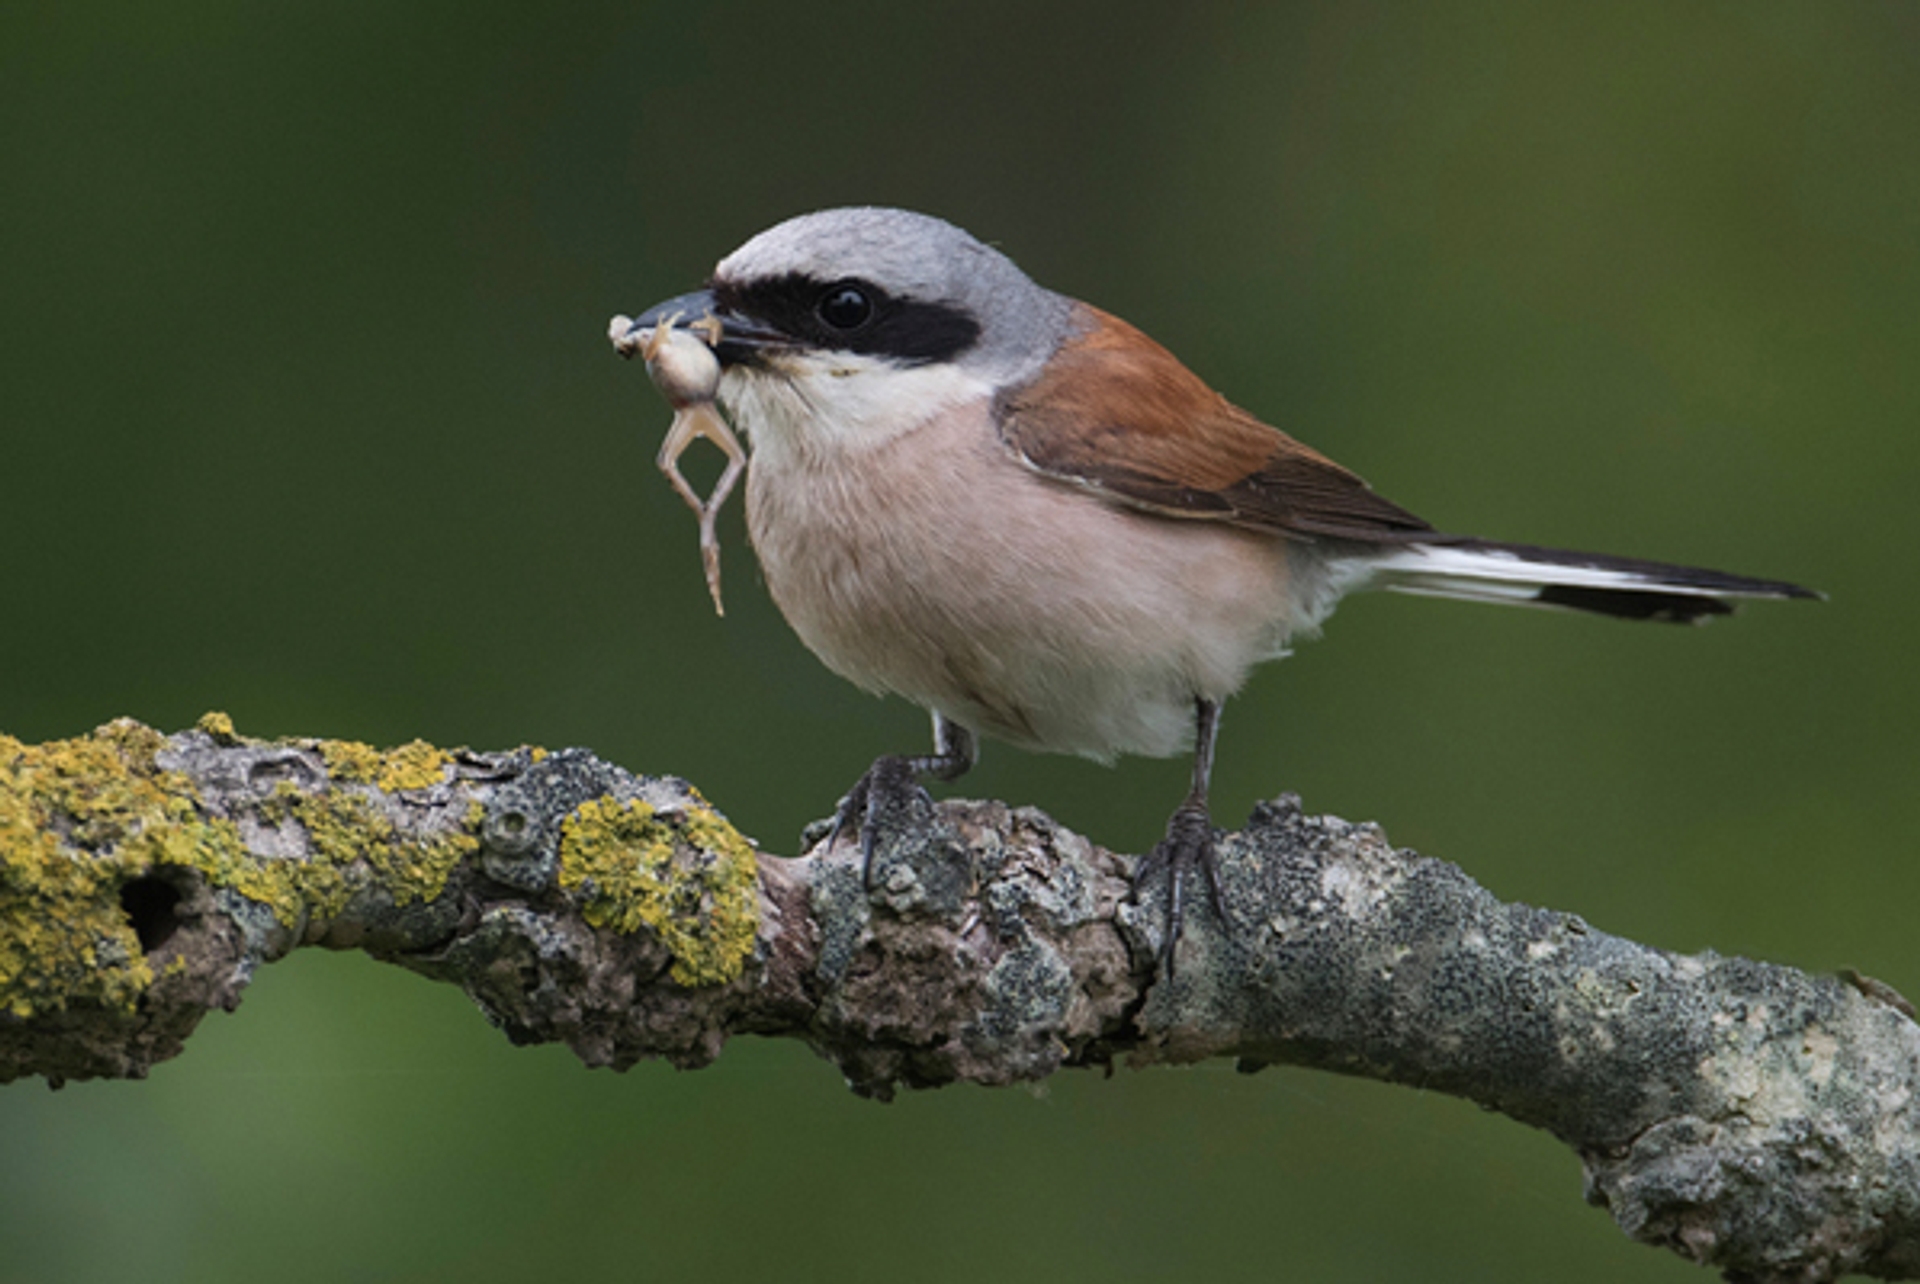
(936, 566)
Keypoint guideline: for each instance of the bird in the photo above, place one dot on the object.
(1024, 515)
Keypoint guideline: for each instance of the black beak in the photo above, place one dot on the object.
(741, 337)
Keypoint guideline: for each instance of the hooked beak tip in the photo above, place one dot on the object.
(733, 337)
(628, 334)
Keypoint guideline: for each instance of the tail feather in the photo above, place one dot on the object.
(1478, 570)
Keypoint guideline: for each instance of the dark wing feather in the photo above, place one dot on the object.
(1117, 413)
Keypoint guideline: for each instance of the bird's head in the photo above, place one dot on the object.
(850, 326)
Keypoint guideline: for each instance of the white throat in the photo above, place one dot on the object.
(833, 402)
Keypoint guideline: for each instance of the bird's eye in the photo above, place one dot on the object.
(844, 306)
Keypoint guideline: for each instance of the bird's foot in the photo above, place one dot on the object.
(890, 785)
(1187, 847)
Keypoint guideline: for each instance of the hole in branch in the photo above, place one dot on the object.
(150, 904)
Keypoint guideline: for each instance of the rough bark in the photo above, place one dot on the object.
(1748, 1116)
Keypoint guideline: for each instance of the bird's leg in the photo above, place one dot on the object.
(954, 753)
(1189, 840)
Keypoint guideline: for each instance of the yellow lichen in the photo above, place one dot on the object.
(57, 912)
(350, 762)
(691, 878)
(82, 818)
(219, 726)
(79, 819)
(136, 741)
(417, 869)
(340, 829)
(351, 843)
(414, 765)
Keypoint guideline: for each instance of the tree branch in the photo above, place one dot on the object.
(1747, 1116)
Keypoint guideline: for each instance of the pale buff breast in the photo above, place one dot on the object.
(936, 566)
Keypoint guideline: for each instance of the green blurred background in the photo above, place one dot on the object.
(309, 416)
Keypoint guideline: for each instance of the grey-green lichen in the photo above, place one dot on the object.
(688, 876)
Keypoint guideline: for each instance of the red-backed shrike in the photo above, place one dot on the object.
(1026, 516)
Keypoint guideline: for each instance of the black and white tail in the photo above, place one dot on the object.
(1478, 570)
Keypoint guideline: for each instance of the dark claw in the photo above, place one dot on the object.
(889, 783)
(1189, 843)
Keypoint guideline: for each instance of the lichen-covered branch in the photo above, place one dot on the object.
(1748, 1116)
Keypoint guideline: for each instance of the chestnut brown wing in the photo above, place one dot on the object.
(1118, 414)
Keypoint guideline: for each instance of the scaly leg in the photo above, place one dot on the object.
(1189, 840)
